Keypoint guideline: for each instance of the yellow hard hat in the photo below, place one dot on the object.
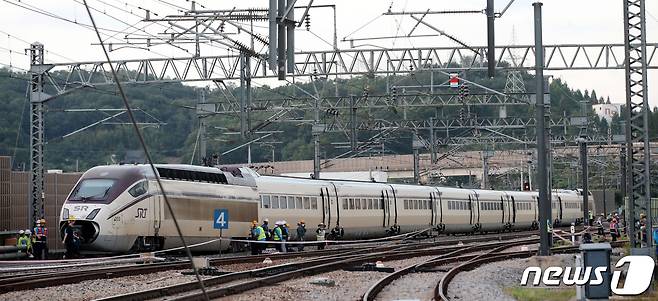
(71, 218)
(43, 221)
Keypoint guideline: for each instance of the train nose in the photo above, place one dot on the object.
(88, 230)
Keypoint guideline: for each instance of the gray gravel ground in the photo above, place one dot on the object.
(349, 285)
(488, 281)
(92, 289)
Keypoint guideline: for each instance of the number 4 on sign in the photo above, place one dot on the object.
(220, 219)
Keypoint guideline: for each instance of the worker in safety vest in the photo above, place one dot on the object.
(24, 242)
(614, 229)
(320, 235)
(257, 234)
(277, 236)
(41, 240)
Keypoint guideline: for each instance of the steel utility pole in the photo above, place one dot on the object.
(203, 140)
(491, 35)
(637, 116)
(37, 99)
(542, 147)
(582, 143)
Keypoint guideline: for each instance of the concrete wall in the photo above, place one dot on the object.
(5, 188)
(14, 198)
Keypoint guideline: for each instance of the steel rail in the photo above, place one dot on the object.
(266, 276)
(376, 288)
(441, 289)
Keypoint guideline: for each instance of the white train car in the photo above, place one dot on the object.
(121, 209)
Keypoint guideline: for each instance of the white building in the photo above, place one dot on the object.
(607, 110)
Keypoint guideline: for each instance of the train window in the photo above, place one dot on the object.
(406, 204)
(283, 203)
(364, 204)
(265, 201)
(298, 202)
(307, 202)
(291, 202)
(351, 204)
(369, 203)
(344, 204)
(357, 203)
(139, 189)
(375, 204)
(275, 202)
(314, 203)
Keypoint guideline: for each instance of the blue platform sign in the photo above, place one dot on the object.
(220, 220)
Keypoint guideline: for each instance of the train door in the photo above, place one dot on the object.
(334, 204)
(389, 207)
(559, 203)
(513, 210)
(437, 208)
(384, 205)
(502, 209)
(326, 205)
(474, 209)
(157, 214)
(432, 209)
(535, 205)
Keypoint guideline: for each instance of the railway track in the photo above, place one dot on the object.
(441, 289)
(39, 279)
(459, 255)
(238, 282)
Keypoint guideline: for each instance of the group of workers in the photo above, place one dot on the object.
(34, 242)
(279, 234)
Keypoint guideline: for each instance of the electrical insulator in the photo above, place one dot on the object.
(307, 21)
(462, 114)
(394, 93)
(467, 92)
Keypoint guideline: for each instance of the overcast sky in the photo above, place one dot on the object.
(565, 21)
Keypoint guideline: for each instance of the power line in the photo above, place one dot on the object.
(146, 152)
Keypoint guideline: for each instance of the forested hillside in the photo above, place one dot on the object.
(173, 104)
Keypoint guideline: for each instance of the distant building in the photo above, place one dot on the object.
(607, 110)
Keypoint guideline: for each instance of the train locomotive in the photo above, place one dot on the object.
(119, 208)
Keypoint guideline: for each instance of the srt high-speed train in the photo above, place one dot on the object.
(119, 208)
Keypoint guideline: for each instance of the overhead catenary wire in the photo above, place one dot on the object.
(35, 9)
(146, 152)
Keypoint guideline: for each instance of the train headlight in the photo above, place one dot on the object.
(65, 214)
(93, 213)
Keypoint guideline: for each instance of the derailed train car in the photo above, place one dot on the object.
(120, 208)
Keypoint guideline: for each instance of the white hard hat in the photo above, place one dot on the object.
(284, 222)
(28, 232)
(21, 232)
(266, 220)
